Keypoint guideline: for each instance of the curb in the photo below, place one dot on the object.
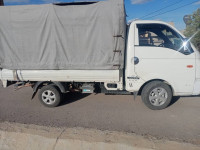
(15, 136)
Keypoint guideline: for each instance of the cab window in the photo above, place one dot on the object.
(158, 35)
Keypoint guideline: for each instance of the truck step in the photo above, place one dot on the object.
(118, 93)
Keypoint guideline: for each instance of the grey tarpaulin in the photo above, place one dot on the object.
(64, 37)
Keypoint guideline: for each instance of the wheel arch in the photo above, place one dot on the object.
(141, 88)
(41, 83)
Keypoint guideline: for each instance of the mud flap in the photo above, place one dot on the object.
(135, 94)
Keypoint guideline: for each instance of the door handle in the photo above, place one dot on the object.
(136, 60)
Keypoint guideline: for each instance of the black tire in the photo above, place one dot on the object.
(49, 96)
(156, 95)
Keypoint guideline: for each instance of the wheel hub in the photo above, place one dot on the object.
(48, 97)
(158, 96)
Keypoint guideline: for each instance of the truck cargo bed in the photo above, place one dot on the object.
(60, 75)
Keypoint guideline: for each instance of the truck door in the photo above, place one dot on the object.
(161, 53)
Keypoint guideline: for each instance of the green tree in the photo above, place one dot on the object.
(193, 27)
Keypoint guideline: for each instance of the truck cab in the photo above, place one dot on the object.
(157, 52)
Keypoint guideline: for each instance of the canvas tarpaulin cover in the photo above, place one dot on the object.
(68, 37)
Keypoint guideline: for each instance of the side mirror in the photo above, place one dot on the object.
(186, 44)
(187, 49)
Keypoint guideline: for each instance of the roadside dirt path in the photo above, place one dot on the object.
(14, 136)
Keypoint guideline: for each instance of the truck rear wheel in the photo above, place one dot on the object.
(156, 95)
(50, 96)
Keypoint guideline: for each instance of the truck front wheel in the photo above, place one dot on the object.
(49, 96)
(156, 95)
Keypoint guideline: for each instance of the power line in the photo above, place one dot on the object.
(173, 9)
(160, 9)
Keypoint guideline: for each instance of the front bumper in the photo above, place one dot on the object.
(196, 89)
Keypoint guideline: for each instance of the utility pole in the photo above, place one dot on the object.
(1, 3)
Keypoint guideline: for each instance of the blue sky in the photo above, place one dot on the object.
(142, 9)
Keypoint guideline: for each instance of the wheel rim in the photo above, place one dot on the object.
(158, 96)
(48, 97)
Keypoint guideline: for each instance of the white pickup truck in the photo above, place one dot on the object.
(159, 63)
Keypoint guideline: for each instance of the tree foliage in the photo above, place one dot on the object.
(1, 3)
(193, 27)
